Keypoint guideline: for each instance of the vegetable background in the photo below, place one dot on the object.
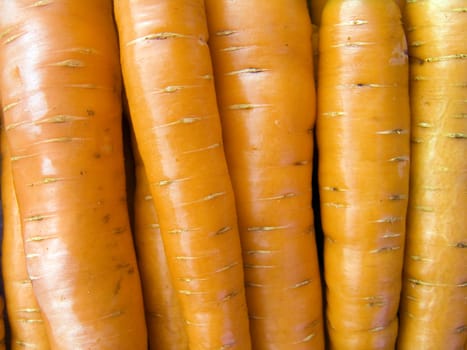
(186, 172)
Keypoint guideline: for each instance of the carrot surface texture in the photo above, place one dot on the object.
(316, 9)
(166, 327)
(27, 328)
(169, 82)
(363, 142)
(263, 70)
(433, 305)
(61, 100)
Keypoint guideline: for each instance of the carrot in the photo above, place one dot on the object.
(2, 301)
(3, 339)
(61, 100)
(168, 78)
(315, 49)
(2, 325)
(317, 6)
(316, 9)
(363, 142)
(263, 70)
(27, 328)
(400, 3)
(433, 304)
(166, 327)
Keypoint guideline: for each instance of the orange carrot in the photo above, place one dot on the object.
(166, 327)
(61, 100)
(2, 302)
(400, 3)
(27, 328)
(433, 304)
(168, 79)
(317, 6)
(363, 141)
(263, 66)
(316, 9)
(2, 325)
(315, 49)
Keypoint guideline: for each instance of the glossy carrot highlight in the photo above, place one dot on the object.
(363, 132)
(316, 9)
(433, 304)
(61, 100)
(166, 326)
(263, 70)
(168, 78)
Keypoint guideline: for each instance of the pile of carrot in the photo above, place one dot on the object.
(233, 174)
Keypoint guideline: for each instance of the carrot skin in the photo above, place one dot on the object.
(315, 47)
(25, 320)
(363, 132)
(166, 328)
(61, 100)
(263, 70)
(317, 6)
(316, 9)
(433, 311)
(168, 78)
(2, 325)
(400, 3)
(3, 339)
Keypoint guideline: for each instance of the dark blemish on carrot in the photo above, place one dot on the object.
(117, 287)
